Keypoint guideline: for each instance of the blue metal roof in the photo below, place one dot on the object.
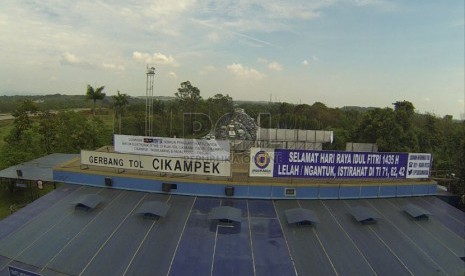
(38, 169)
(48, 237)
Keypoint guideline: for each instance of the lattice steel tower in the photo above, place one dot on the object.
(149, 101)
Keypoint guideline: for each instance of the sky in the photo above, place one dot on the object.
(368, 53)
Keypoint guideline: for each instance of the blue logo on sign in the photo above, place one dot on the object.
(152, 140)
(262, 159)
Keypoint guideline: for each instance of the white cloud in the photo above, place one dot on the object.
(231, 28)
(165, 16)
(427, 99)
(265, 16)
(458, 23)
(172, 75)
(3, 21)
(365, 2)
(274, 66)
(213, 37)
(169, 8)
(305, 10)
(155, 59)
(305, 62)
(380, 4)
(113, 66)
(69, 58)
(207, 70)
(239, 70)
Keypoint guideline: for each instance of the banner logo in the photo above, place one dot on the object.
(262, 159)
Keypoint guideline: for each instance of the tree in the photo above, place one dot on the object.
(95, 94)
(405, 106)
(72, 131)
(225, 101)
(408, 139)
(119, 103)
(188, 96)
(219, 105)
(48, 125)
(27, 148)
(22, 143)
(429, 134)
(134, 121)
(380, 126)
(22, 120)
(460, 157)
(404, 114)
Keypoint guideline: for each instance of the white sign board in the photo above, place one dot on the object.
(418, 165)
(261, 162)
(156, 163)
(173, 147)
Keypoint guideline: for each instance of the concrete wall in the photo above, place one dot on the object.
(361, 147)
(312, 136)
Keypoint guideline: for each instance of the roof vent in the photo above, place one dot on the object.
(225, 220)
(416, 212)
(301, 216)
(364, 215)
(154, 209)
(225, 214)
(88, 202)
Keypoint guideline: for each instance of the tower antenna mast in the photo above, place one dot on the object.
(149, 100)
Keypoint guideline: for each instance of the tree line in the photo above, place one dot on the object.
(394, 129)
